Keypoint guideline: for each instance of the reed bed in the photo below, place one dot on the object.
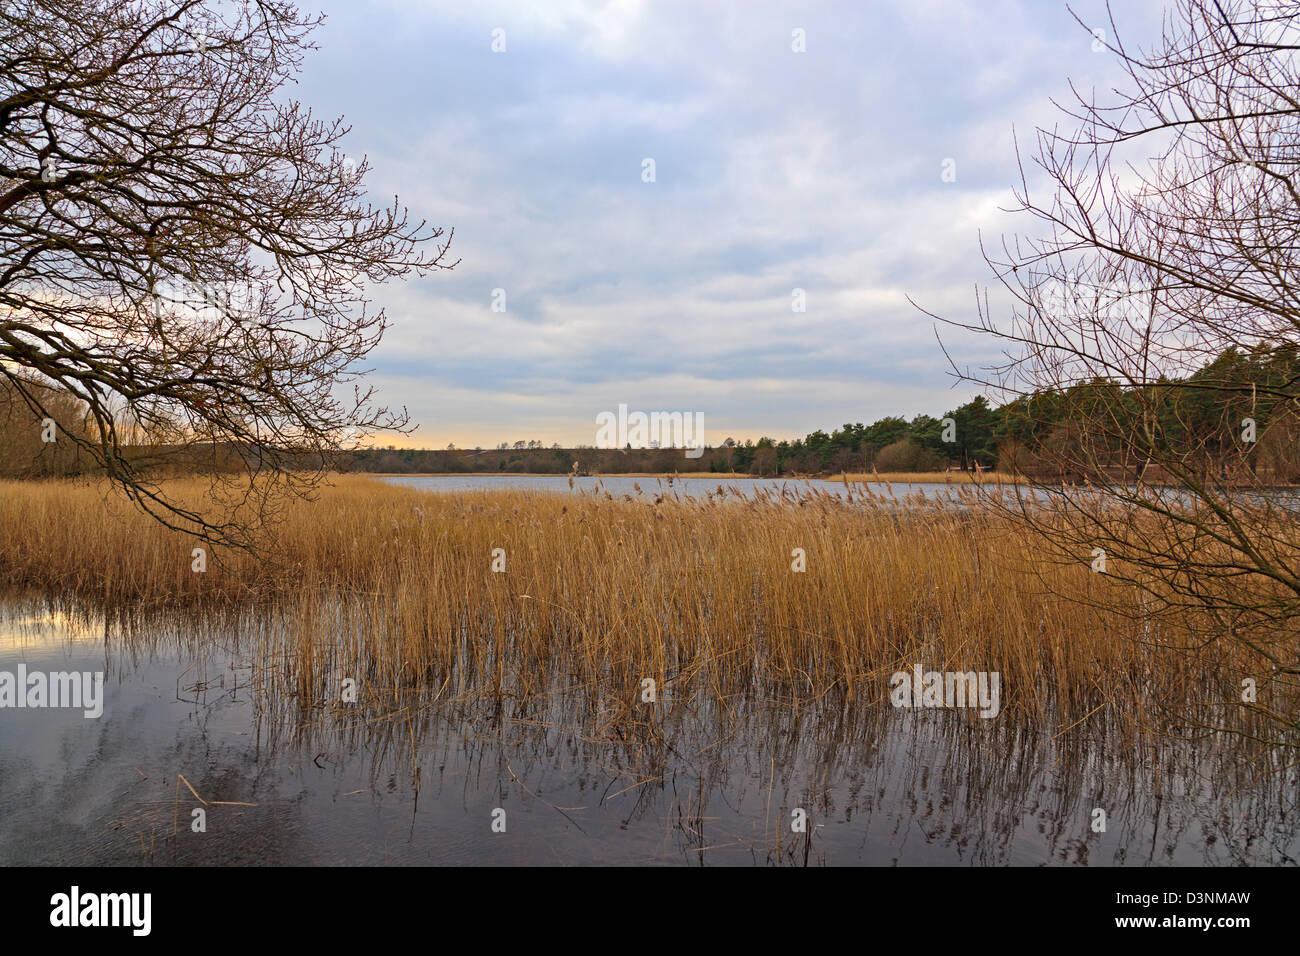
(396, 587)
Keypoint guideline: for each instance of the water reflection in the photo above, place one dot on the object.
(710, 775)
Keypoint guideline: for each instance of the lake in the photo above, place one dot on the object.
(684, 486)
(928, 491)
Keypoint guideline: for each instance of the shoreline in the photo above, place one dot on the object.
(891, 477)
(888, 478)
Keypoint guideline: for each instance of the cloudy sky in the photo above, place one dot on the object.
(774, 170)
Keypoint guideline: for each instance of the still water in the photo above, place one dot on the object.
(945, 494)
(713, 781)
(683, 486)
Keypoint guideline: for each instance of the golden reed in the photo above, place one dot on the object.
(606, 590)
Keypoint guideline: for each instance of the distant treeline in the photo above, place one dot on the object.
(891, 444)
(1030, 435)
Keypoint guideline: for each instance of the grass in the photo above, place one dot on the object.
(396, 586)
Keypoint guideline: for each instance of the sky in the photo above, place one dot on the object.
(774, 169)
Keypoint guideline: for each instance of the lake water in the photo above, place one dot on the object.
(707, 784)
(683, 486)
(724, 488)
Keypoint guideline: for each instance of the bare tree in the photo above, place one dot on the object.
(1151, 350)
(185, 248)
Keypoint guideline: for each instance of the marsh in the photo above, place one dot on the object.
(503, 716)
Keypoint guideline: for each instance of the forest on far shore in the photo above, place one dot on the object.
(1029, 436)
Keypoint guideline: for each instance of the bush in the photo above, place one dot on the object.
(906, 455)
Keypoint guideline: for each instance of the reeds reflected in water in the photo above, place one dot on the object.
(709, 773)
